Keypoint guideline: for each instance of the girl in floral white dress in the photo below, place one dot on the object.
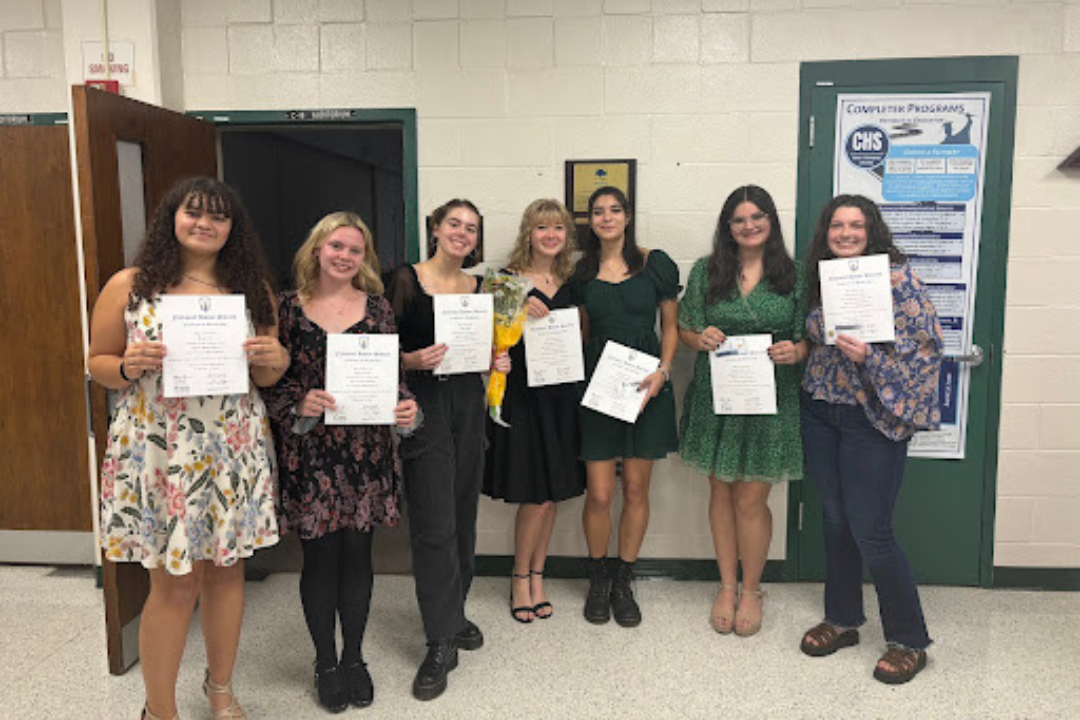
(187, 483)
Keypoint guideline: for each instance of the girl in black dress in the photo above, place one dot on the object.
(337, 482)
(535, 462)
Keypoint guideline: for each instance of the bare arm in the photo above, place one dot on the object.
(108, 338)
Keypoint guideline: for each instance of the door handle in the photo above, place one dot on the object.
(974, 358)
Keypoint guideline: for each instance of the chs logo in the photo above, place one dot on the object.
(867, 146)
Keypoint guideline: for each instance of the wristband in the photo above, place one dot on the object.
(666, 373)
(124, 375)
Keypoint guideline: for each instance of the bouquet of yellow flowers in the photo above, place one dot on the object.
(510, 294)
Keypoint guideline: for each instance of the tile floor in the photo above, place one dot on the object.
(998, 654)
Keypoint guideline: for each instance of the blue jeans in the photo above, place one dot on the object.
(857, 472)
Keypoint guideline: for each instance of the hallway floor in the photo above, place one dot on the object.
(997, 654)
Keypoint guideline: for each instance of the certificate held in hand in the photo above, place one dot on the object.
(856, 298)
(613, 389)
(743, 377)
(362, 376)
(466, 324)
(204, 336)
(553, 348)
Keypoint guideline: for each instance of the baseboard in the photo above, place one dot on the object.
(657, 568)
(1037, 578)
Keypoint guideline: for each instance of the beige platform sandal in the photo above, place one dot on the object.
(232, 711)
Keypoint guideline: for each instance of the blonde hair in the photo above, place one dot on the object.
(306, 265)
(540, 212)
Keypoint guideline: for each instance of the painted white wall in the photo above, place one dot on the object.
(704, 93)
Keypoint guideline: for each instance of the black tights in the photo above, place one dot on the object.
(336, 582)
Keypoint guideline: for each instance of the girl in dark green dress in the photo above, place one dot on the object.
(619, 288)
(748, 285)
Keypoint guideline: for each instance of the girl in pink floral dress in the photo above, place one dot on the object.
(187, 482)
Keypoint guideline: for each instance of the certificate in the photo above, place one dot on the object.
(613, 389)
(743, 379)
(856, 298)
(466, 323)
(204, 337)
(553, 348)
(362, 376)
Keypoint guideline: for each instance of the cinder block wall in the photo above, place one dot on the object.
(704, 93)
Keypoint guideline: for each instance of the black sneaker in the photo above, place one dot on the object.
(430, 682)
(598, 602)
(623, 606)
(358, 685)
(330, 686)
(469, 637)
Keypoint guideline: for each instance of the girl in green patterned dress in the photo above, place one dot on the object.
(748, 285)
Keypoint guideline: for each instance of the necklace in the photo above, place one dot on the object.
(194, 279)
(340, 310)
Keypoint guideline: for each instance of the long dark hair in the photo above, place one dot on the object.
(588, 267)
(724, 266)
(879, 240)
(240, 266)
(439, 214)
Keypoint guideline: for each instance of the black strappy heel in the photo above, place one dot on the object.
(543, 605)
(516, 612)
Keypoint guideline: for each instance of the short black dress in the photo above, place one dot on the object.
(535, 460)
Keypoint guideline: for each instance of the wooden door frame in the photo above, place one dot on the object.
(359, 117)
(996, 207)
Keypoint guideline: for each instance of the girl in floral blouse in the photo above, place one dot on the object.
(337, 482)
(861, 404)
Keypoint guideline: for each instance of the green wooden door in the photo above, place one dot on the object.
(944, 517)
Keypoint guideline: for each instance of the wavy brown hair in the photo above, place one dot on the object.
(240, 266)
(544, 212)
(879, 240)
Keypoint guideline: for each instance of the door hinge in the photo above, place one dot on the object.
(801, 505)
(811, 131)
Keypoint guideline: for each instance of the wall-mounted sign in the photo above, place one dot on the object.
(583, 177)
(922, 158)
(121, 61)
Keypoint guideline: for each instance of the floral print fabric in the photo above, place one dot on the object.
(185, 479)
(339, 476)
(897, 385)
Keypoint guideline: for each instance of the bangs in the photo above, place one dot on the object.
(210, 202)
(549, 215)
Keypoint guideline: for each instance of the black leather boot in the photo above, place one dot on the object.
(623, 606)
(430, 682)
(469, 637)
(598, 602)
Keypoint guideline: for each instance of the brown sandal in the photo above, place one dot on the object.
(906, 665)
(827, 640)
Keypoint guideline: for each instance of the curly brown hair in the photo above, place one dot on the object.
(240, 267)
(879, 240)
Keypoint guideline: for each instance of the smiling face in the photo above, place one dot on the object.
(847, 232)
(750, 226)
(458, 233)
(608, 218)
(548, 237)
(198, 230)
(342, 254)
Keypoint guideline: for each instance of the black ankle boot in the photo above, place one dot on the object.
(597, 602)
(430, 682)
(358, 685)
(623, 606)
(331, 688)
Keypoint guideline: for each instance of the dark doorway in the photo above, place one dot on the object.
(291, 175)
